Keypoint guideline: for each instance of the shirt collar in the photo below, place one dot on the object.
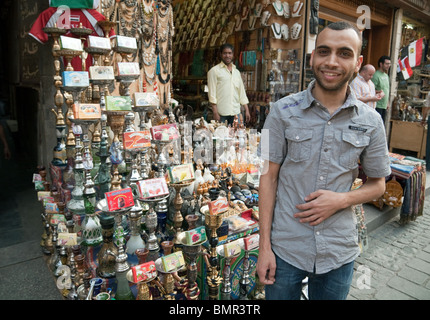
(223, 65)
(351, 100)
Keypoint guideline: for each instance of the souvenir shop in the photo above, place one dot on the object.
(144, 196)
(409, 117)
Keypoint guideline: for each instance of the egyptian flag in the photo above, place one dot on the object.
(405, 68)
(415, 52)
(75, 4)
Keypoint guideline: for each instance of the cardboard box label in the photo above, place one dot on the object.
(144, 271)
(99, 42)
(196, 235)
(118, 103)
(151, 188)
(165, 132)
(136, 140)
(218, 206)
(180, 173)
(119, 199)
(76, 79)
(87, 111)
(128, 69)
(173, 261)
(102, 73)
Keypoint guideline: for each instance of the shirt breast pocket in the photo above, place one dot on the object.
(299, 143)
(352, 146)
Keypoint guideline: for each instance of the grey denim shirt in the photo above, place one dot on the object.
(317, 150)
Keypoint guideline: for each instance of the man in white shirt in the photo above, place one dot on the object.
(226, 90)
(364, 88)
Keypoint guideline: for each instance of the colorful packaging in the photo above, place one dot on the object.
(126, 42)
(165, 132)
(182, 172)
(67, 239)
(151, 188)
(70, 43)
(252, 241)
(118, 103)
(87, 111)
(99, 42)
(217, 206)
(232, 249)
(76, 79)
(146, 99)
(119, 199)
(128, 69)
(102, 73)
(196, 235)
(51, 207)
(136, 140)
(173, 261)
(144, 271)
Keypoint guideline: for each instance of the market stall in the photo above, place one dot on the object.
(139, 202)
(143, 198)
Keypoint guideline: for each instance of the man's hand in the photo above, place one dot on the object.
(215, 114)
(319, 206)
(266, 266)
(380, 94)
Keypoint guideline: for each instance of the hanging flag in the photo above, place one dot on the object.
(406, 68)
(415, 52)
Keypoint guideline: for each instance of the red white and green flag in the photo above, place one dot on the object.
(415, 52)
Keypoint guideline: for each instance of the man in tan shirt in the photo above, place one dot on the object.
(226, 90)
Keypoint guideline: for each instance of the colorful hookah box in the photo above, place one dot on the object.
(232, 249)
(99, 42)
(181, 173)
(165, 132)
(150, 188)
(218, 206)
(76, 79)
(146, 99)
(137, 140)
(144, 271)
(87, 111)
(126, 42)
(252, 241)
(69, 43)
(173, 261)
(118, 103)
(119, 199)
(197, 235)
(102, 73)
(128, 69)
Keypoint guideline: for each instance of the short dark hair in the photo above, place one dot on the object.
(225, 46)
(344, 25)
(382, 60)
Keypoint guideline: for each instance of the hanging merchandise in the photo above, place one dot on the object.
(276, 28)
(295, 31)
(296, 9)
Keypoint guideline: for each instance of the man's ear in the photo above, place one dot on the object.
(359, 62)
(311, 59)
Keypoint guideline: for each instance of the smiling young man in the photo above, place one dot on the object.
(311, 144)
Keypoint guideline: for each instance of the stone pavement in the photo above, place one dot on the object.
(396, 264)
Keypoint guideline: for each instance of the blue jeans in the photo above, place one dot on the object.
(229, 119)
(333, 285)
